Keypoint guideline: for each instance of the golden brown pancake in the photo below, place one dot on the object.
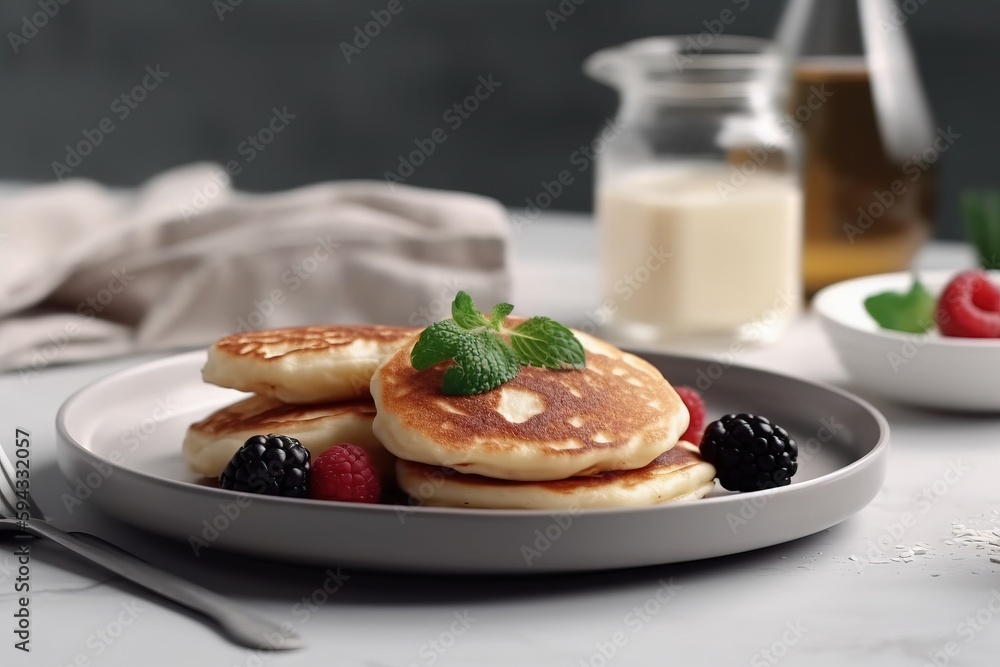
(315, 364)
(211, 443)
(617, 414)
(677, 474)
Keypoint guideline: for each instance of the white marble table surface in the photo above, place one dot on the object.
(803, 603)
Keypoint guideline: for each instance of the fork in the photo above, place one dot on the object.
(19, 512)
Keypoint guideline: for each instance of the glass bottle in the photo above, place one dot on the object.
(869, 192)
(697, 198)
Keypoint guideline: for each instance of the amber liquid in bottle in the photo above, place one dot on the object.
(864, 212)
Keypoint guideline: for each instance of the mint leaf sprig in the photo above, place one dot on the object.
(912, 311)
(483, 358)
(981, 212)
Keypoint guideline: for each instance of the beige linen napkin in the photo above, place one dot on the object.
(86, 272)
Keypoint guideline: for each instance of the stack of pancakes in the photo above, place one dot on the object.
(606, 436)
(311, 383)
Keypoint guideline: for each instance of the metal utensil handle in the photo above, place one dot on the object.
(245, 629)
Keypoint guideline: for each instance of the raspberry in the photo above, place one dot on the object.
(696, 406)
(344, 472)
(750, 452)
(969, 307)
(271, 465)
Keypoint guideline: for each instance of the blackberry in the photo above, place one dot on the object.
(271, 465)
(749, 452)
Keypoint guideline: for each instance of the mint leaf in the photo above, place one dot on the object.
(499, 314)
(483, 362)
(543, 342)
(464, 312)
(482, 357)
(912, 311)
(981, 211)
(439, 342)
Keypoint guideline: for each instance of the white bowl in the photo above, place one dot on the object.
(924, 369)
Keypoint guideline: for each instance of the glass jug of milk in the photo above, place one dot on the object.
(697, 199)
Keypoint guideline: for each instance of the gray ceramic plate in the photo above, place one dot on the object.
(120, 437)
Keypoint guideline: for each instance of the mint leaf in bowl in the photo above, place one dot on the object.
(981, 212)
(911, 312)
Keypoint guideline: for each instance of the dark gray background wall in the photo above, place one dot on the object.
(353, 119)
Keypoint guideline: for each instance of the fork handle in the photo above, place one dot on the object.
(245, 629)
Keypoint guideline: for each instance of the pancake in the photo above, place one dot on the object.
(617, 414)
(315, 364)
(210, 444)
(678, 474)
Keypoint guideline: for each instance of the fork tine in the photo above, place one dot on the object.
(8, 489)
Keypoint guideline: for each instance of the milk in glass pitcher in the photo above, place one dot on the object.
(697, 197)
